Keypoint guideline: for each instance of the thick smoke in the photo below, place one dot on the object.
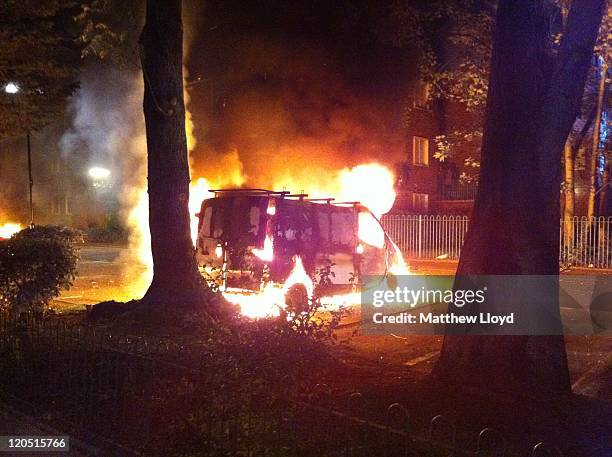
(266, 113)
(192, 19)
(108, 124)
(288, 117)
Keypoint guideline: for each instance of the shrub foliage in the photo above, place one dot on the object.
(35, 265)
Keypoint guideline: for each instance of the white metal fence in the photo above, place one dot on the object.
(584, 242)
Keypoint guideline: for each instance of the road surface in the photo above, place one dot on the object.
(105, 272)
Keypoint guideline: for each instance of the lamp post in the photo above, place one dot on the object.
(13, 88)
(30, 180)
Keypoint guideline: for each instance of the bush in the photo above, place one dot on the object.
(110, 232)
(35, 265)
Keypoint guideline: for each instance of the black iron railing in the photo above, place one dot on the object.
(458, 191)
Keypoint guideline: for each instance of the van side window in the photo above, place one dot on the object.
(206, 223)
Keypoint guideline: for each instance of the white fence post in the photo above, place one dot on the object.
(420, 242)
(429, 236)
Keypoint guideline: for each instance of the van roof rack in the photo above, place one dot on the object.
(326, 200)
(250, 191)
(300, 196)
(347, 203)
(282, 194)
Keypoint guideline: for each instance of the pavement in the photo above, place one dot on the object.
(449, 267)
(17, 424)
(432, 266)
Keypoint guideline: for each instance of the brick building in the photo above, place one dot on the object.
(425, 184)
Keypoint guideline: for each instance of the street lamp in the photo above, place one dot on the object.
(99, 173)
(13, 88)
(99, 177)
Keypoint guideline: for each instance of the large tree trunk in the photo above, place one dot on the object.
(532, 103)
(176, 280)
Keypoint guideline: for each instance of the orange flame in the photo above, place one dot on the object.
(372, 185)
(8, 229)
(257, 305)
(139, 264)
(269, 301)
(299, 276)
(271, 211)
(198, 192)
(267, 253)
(398, 265)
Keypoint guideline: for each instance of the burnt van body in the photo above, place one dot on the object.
(243, 230)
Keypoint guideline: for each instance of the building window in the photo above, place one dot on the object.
(56, 205)
(67, 208)
(421, 95)
(61, 205)
(420, 150)
(420, 202)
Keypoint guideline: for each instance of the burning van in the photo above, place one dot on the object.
(247, 233)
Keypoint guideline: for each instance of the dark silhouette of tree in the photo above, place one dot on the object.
(41, 54)
(533, 98)
(176, 279)
(110, 29)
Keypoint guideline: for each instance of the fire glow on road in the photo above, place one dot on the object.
(8, 229)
